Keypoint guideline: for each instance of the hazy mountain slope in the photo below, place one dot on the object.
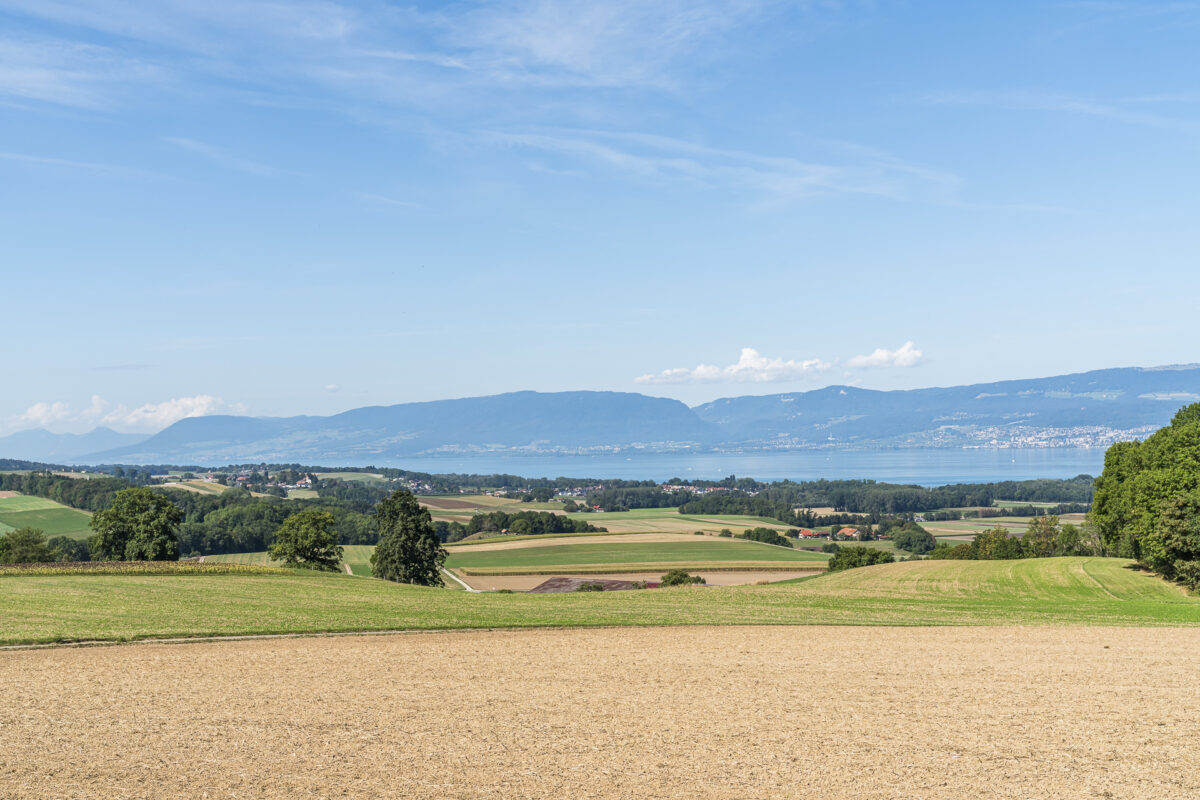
(1117, 399)
(565, 420)
(41, 445)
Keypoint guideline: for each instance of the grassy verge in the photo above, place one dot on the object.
(136, 568)
(1063, 591)
(652, 566)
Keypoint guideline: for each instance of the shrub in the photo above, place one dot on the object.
(725, 532)
(858, 556)
(679, 577)
(590, 587)
(830, 547)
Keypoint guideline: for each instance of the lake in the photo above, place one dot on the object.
(928, 467)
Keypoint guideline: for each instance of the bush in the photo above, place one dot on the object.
(830, 547)
(858, 556)
(725, 532)
(698, 533)
(590, 587)
(679, 577)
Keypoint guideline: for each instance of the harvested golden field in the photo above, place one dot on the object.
(540, 541)
(784, 712)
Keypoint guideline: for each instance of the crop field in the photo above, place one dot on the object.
(627, 556)
(361, 477)
(1048, 591)
(736, 712)
(968, 528)
(53, 518)
(668, 520)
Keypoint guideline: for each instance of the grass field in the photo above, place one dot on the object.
(1058, 591)
(53, 518)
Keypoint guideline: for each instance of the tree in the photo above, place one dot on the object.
(1040, 537)
(26, 546)
(67, 549)
(408, 549)
(306, 539)
(913, 538)
(140, 525)
(679, 577)
(858, 556)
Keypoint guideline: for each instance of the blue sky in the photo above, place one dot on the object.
(281, 208)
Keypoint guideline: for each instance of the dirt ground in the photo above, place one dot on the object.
(804, 712)
(522, 583)
(6, 494)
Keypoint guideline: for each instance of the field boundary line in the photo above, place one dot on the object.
(461, 582)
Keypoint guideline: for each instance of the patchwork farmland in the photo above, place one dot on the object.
(54, 519)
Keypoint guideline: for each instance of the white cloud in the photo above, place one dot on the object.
(751, 367)
(906, 356)
(331, 387)
(155, 416)
(147, 417)
(39, 415)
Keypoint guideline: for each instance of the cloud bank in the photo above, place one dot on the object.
(753, 367)
(148, 417)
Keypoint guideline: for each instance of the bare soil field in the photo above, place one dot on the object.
(523, 583)
(765, 712)
(6, 494)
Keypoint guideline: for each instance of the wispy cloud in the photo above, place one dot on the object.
(67, 73)
(224, 158)
(907, 355)
(79, 166)
(662, 158)
(751, 367)
(1125, 110)
(385, 200)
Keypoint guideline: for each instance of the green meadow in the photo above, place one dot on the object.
(1054, 591)
(36, 512)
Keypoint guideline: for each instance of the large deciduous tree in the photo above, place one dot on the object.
(408, 549)
(1147, 504)
(140, 525)
(306, 539)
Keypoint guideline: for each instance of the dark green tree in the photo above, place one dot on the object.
(306, 539)
(140, 525)
(913, 538)
(679, 577)
(408, 549)
(858, 556)
(26, 546)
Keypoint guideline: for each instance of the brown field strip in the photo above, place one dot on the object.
(949, 713)
(523, 583)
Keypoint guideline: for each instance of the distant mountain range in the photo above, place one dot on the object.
(64, 448)
(1084, 409)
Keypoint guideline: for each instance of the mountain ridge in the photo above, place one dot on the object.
(1092, 408)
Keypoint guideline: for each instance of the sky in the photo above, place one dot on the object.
(279, 208)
